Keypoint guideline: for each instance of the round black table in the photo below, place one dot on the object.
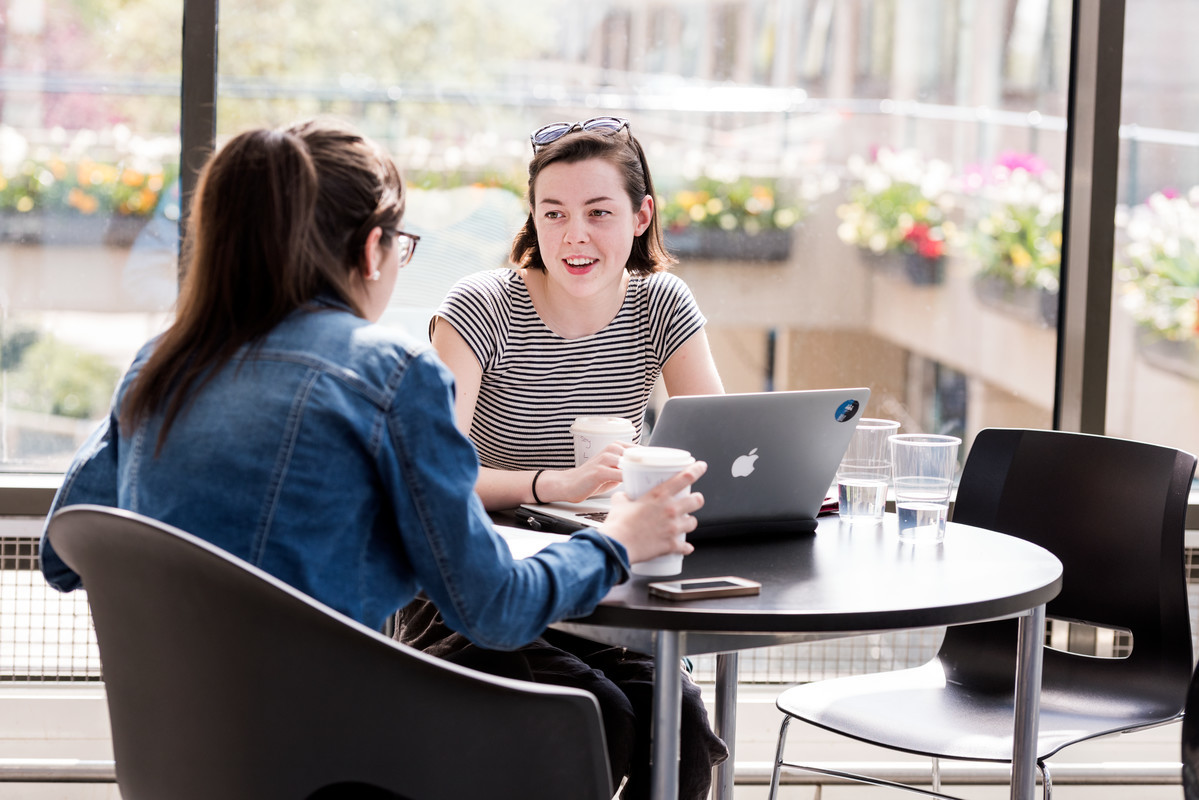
(841, 580)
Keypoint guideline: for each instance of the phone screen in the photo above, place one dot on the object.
(695, 586)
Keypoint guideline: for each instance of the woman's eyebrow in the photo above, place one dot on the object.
(554, 202)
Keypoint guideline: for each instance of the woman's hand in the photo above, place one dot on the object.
(656, 523)
(598, 474)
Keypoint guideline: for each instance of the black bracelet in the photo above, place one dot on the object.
(536, 499)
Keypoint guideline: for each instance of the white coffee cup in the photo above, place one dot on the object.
(592, 434)
(643, 468)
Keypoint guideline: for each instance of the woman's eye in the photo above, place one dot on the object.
(553, 215)
(599, 212)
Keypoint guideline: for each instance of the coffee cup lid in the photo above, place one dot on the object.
(656, 457)
(602, 424)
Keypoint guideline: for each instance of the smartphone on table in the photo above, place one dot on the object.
(704, 588)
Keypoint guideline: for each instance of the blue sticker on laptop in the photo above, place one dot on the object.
(847, 410)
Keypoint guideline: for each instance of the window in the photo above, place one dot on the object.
(857, 195)
(1153, 372)
(89, 153)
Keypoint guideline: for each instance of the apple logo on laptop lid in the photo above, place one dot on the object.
(744, 465)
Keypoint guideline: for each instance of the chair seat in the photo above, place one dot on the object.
(927, 716)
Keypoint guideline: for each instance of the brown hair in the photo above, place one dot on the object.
(279, 218)
(622, 150)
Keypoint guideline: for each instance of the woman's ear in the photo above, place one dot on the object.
(372, 255)
(645, 215)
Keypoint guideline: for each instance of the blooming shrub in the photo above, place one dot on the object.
(1158, 264)
(67, 179)
(897, 202)
(1017, 229)
(748, 204)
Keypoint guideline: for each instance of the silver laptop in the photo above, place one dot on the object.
(772, 458)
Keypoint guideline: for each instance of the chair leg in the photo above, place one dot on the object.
(778, 759)
(936, 777)
(1046, 780)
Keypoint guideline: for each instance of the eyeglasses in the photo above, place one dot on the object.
(406, 242)
(556, 130)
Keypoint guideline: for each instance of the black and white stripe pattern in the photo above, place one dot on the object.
(535, 383)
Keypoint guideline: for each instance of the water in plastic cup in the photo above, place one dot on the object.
(643, 468)
(865, 472)
(923, 467)
(593, 434)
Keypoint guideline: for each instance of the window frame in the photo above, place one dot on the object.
(1092, 173)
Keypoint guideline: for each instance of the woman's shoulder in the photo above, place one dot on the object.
(663, 283)
(340, 340)
(493, 282)
(493, 291)
(659, 287)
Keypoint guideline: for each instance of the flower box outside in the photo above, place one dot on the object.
(1032, 304)
(917, 269)
(923, 270)
(714, 244)
(1180, 356)
(39, 228)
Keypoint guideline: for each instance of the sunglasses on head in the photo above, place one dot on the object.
(556, 130)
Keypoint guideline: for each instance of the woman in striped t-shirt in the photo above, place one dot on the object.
(584, 326)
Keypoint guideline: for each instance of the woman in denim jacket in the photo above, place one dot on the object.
(275, 420)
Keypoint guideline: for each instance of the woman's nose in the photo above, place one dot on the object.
(576, 230)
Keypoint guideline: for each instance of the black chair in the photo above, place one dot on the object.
(225, 682)
(1113, 511)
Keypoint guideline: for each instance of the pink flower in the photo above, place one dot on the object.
(1025, 161)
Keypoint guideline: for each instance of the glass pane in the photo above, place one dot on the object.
(1153, 384)
(858, 194)
(89, 147)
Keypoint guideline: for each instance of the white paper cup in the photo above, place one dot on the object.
(643, 468)
(593, 434)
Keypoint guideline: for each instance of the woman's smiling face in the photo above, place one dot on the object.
(586, 224)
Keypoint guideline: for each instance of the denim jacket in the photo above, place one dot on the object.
(328, 456)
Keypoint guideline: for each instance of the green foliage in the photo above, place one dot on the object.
(80, 185)
(52, 377)
(1017, 235)
(13, 347)
(1021, 244)
(747, 204)
(898, 202)
(1158, 264)
(439, 179)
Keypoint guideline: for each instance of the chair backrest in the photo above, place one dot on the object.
(1113, 511)
(224, 682)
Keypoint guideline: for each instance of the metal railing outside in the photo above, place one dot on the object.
(48, 636)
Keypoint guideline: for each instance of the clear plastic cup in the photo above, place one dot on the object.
(923, 466)
(865, 472)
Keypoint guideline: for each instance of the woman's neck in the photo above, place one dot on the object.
(566, 315)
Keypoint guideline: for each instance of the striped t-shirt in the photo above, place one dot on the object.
(535, 382)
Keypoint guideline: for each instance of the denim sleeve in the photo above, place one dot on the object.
(459, 560)
(91, 478)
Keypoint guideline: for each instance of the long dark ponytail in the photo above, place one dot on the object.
(279, 218)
